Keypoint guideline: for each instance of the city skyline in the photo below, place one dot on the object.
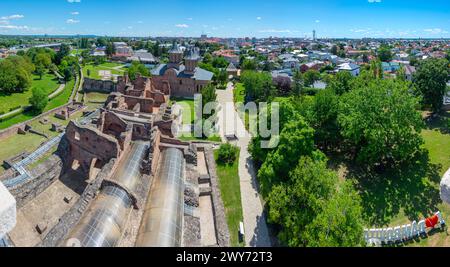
(288, 18)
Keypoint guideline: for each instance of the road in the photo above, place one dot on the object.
(256, 232)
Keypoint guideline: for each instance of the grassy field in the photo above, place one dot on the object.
(408, 193)
(95, 100)
(231, 195)
(16, 144)
(186, 105)
(188, 113)
(57, 101)
(62, 98)
(108, 66)
(239, 93)
(49, 83)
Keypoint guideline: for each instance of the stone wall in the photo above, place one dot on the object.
(68, 221)
(44, 175)
(91, 85)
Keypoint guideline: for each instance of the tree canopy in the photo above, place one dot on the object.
(137, 68)
(430, 81)
(38, 100)
(258, 85)
(312, 212)
(381, 123)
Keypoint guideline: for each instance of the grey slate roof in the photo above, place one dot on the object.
(176, 49)
(199, 73)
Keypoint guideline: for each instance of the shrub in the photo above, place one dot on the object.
(227, 154)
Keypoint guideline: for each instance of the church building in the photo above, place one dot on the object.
(185, 79)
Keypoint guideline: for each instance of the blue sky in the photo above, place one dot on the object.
(228, 18)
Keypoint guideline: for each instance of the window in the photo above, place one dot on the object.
(77, 136)
(181, 81)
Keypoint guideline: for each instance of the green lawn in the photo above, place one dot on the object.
(108, 66)
(188, 109)
(62, 98)
(231, 196)
(188, 113)
(96, 97)
(410, 192)
(57, 101)
(16, 144)
(49, 83)
(239, 93)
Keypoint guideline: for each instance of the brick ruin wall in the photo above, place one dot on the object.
(91, 85)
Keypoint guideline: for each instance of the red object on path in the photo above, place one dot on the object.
(432, 221)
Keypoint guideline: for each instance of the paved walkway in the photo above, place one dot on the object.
(60, 88)
(256, 232)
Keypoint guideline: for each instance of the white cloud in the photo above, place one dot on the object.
(435, 31)
(12, 17)
(182, 26)
(374, 1)
(189, 18)
(72, 21)
(140, 22)
(14, 27)
(75, 13)
(317, 21)
(74, 1)
(258, 18)
(277, 31)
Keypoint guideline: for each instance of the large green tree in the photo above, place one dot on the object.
(311, 211)
(296, 140)
(430, 80)
(340, 222)
(137, 68)
(384, 53)
(310, 77)
(38, 100)
(258, 86)
(322, 116)
(381, 123)
(15, 74)
(341, 83)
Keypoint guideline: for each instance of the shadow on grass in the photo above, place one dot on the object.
(411, 188)
(440, 122)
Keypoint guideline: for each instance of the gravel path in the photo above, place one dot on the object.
(256, 232)
(60, 88)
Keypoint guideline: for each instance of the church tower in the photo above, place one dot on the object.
(191, 60)
(175, 56)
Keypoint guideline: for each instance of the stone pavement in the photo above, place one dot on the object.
(256, 232)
